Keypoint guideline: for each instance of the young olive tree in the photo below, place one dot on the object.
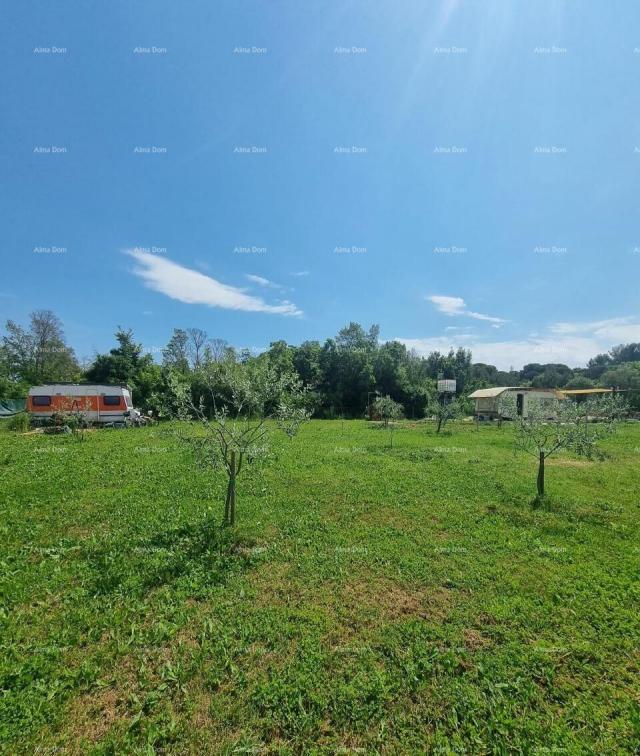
(443, 411)
(388, 410)
(233, 418)
(553, 425)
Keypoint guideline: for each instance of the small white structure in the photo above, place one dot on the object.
(490, 401)
(446, 386)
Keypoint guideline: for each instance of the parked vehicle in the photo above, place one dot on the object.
(99, 403)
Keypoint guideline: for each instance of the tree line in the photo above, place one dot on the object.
(344, 375)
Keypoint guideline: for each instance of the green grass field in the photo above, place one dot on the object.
(403, 600)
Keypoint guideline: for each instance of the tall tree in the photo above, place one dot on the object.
(197, 341)
(625, 353)
(306, 361)
(176, 354)
(39, 354)
(218, 350)
(626, 377)
(126, 363)
(280, 356)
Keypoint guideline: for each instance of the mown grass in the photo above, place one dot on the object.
(403, 600)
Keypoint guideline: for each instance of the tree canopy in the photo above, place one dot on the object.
(343, 375)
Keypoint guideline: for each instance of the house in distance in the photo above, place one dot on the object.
(490, 401)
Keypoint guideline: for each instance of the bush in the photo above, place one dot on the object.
(73, 421)
(20, 423)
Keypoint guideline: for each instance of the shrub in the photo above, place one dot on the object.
(20, 423)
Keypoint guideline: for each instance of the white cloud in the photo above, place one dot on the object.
(454, 306)
(261, 281)
(622, 329)
(301, 273)
(186, 285)
(570, 343)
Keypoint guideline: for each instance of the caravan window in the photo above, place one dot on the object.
(111, 401)
(41, 401)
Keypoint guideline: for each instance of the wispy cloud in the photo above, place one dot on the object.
(623, 329)
(190, 286)
(454, 306)
(300, 273)
(572, 343)
(264, 282)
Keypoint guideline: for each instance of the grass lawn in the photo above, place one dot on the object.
(403, 600)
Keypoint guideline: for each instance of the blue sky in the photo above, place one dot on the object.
(462, 173)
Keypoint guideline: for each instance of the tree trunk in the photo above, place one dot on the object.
(225, 519)
(232, 490)
(439, 425)
(540, 481)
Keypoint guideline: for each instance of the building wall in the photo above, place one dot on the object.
(490, 407)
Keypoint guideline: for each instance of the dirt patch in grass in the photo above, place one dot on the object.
(201, 709)
(364, 599)
(569, 463)
(357, 606)
(272, 584)
(387, 517)
(92, 715)
(80, 532)
(390, 600)
(474, 640)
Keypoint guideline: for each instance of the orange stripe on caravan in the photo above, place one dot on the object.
(66, 404)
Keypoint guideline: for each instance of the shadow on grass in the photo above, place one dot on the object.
(575, 511)
(541, 502)
(202, 553)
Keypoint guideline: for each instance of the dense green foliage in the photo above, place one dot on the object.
(344, 372)
(129, 364)
(29, 356)
(405, 600)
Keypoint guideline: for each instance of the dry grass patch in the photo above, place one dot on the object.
(559, 462)
(391, 601)
(91, 716)
(474, 640)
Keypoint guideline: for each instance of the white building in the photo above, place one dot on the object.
(490, 401)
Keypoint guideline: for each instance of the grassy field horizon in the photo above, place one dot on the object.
(370, 600)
